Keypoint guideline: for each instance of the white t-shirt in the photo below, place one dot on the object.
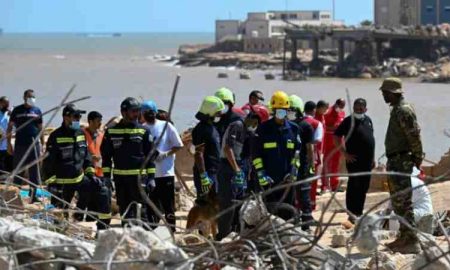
(171, 138)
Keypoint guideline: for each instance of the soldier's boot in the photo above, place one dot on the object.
(397, 243)
(409, 248)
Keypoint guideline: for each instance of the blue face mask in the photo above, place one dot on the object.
(280, 114)
(75, 125)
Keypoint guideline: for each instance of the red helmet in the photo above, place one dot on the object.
(261, 111)
(239, 111)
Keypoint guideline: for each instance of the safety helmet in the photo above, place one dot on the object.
(261, 111)
(279, 100)
(296, 103)
(211, 105)
(225, 95)
(129, 103)
(149, 105)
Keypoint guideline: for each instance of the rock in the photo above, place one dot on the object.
(252, 212)
(222, 75)
(11, 195)
(387, 261)
(135, 243)
(365, 75)
(183, 202)
(6, 262)
(366, 234)
(339, 241)
(424, 260)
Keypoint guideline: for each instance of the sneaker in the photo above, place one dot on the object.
(408, 248)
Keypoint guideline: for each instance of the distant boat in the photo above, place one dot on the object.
(269, 76)
(222, 75)
(244, 76)
(102, 35)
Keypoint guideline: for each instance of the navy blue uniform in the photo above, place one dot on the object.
(68, 168)
(126, 145)
(274, 150)
(27, 121)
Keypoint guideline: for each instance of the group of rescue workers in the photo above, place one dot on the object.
(238, 151)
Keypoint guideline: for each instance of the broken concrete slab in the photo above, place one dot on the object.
(432, 259)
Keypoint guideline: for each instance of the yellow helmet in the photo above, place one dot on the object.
(279, 100)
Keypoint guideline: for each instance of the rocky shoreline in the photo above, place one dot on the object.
(326, 66)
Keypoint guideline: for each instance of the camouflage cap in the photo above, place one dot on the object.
(393, 85)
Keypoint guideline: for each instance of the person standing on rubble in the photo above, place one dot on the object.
(303, 191)
(6, 160)
(27, 120)
(310, 111)
(126, 146)
(278, 142)
(68, 169)
(403, 151)
(359, 154)
(169, 142)
(206, 140)
(331, 157)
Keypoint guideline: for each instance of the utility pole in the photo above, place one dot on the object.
(334, 10)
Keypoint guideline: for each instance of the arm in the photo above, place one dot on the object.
(233, 135)
(9, 137)
(40, 127)
(318, 134)
(198, 158)
(48, 166)
(409, 125)
(310, 153)
(148, 147)
(343, 130)
(88, 166)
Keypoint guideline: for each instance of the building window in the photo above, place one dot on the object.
(222, 26)
(315, 17)
(293, 16)
(326, 16)
(261, 27)
(429, 8)
(284, 16)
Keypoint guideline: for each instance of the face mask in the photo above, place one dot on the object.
(75, 125)
(216, 119)
(252, 129)
(31, 101)
(358, 116)
(226, 109)
(292, 116)
(280, 114)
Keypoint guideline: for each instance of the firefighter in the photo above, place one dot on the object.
(126, 145)
(69, 169)
(278, 142)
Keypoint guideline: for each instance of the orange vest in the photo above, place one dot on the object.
(94, 149)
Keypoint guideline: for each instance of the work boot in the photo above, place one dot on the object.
(408, 248)
(397, 243)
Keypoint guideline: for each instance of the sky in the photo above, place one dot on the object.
(154, 15)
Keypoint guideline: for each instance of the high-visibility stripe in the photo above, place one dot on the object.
(258, 163)
(80, 138)
(151, 170)
(89, 170)
(270, 145)
(126, 131)
(104, 215)
(65, 140)
(50, 180)
(128, 172)
(106, 169)
(290, 145)
(69, 180)
(259, 166)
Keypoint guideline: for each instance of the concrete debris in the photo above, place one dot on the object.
(387, 261)
(366, 234)
(432, 259)
(252, 213)
(135, 243)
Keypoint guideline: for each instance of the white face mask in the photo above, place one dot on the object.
(280, 114)
(339, 109)
(252, 129)
(31, 101)
(358, 116)
(226, 109)
(216, 119)
(292, 116)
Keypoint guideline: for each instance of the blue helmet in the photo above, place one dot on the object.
(149, 105)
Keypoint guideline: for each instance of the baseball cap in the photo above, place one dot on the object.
(71, 109)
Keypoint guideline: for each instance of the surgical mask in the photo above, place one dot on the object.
(31, 101)
(226, 109)
(75, 125)
(216, 119)
(358, 116)
(339, 110)
(280, 114)
(292, 116)
(252, 128)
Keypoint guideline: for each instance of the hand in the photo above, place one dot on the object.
(263, 179)
(10, 149)
(96, 159)
(349, 158)
(238, 182)
(98, 182)
(206, 182)
(149, 184)
(374, 164)
(162, 155)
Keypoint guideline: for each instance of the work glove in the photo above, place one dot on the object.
(264, 180)
(206, 182)
(162, 155)
(148, 183)
(239, 184)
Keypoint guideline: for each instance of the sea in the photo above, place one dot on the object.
(109, 68)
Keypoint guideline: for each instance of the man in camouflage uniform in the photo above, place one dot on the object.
(403, 151)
